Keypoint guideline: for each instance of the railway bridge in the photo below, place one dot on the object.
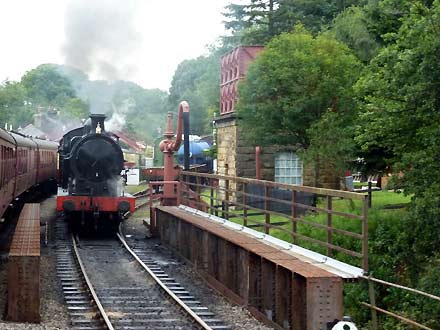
(282, 251)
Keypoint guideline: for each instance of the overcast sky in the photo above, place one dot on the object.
(138, 40)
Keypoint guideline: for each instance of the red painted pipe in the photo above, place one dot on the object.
(168, 147)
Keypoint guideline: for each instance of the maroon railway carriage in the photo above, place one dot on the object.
(25, 163)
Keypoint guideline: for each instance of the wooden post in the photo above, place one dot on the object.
(198, 189)
(244, 205)
(329, 225)
(211, 197)
(374, 324)
(266, 209)
(370, 194)
(294, 216)
(365, 235)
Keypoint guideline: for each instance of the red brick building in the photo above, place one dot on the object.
(233, 68)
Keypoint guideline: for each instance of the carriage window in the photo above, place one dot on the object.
(288, 168)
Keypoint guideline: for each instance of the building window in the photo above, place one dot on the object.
(288, 168)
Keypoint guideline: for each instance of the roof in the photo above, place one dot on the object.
(31, 130)
(135, 145)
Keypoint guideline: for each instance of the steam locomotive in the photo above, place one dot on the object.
(91, 161)
(25, 163)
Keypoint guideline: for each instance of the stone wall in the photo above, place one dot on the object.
(236, 158)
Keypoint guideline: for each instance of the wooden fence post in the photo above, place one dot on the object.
(226, 202)
(374, 324)
(266, 209)
(211, 196)
(294, 216)
(329, 225)
(244, 205)
(365, 234)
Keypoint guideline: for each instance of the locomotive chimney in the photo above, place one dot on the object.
(97, 118)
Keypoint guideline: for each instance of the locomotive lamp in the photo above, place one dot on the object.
(169, 147)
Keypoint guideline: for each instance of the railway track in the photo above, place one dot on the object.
(83, 309)
(109, 285)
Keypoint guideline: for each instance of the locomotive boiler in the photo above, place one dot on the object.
(91, 162)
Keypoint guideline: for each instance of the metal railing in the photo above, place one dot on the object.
(374, 308)
(315, 218)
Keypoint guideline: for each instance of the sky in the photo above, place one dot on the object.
(138, 40)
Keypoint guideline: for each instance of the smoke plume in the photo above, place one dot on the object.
(100, 37)
(117, 120)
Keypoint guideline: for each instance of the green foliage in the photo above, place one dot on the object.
(385, 18)
(45, 86)
(400, 99)
(76, 108)
(351, 27)
(399, 111)
(315, 15)
(197, 81)
(138, 111)
(148, 111)
(251, 23)
(293, 82)
(331, 143)
(258, 21)
(15, 108)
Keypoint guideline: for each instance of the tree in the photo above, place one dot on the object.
(385, 18)
(197, 81)
(315, 15)
(292, 83)
(76, 108)
(15, 108)
(252, 23)
(257, 21)
(45, 86)
(351, 27)
(400, 102)
(143, 110)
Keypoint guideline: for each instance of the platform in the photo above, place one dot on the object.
(24, 267)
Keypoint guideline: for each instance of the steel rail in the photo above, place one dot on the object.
(194, 316)
(137, 207)
(90, 286)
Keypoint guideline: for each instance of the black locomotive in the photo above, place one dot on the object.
(91, 162)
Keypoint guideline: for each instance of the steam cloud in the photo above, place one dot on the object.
(117, 121)
(100, 36)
